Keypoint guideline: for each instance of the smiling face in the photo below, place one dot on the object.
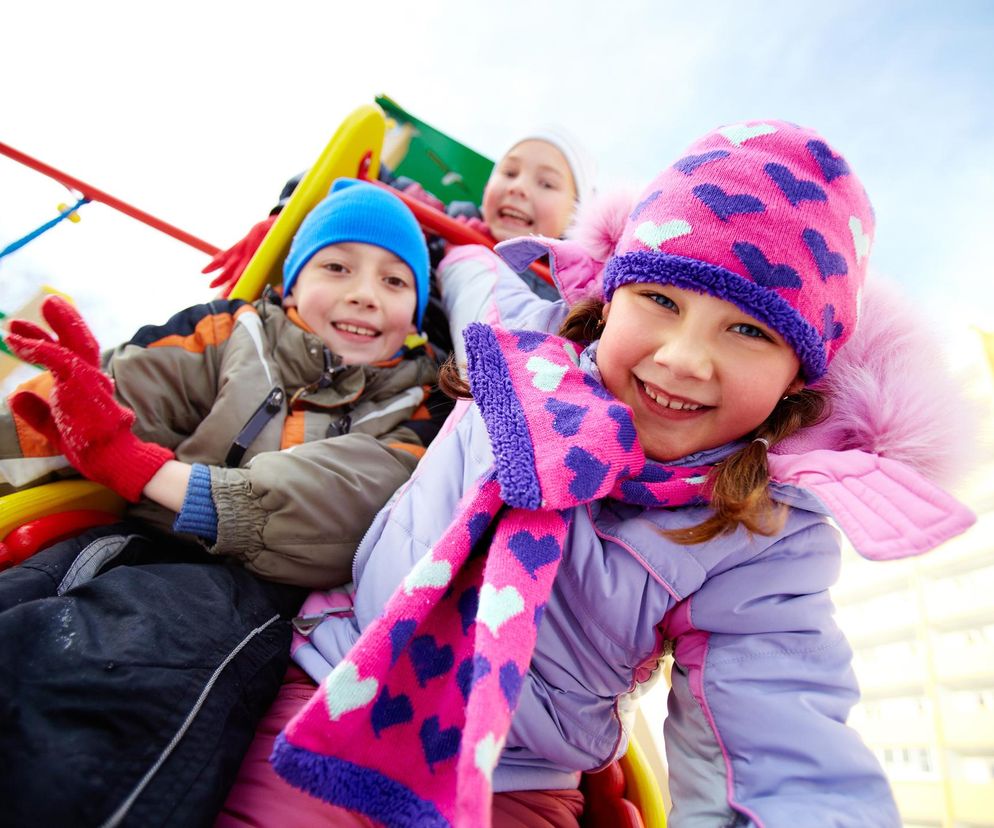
(696, 371)
(530, 191)
(358, 298)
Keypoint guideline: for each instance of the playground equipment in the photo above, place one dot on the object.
(623, 795)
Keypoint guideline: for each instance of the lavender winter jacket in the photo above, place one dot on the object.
(761, 684)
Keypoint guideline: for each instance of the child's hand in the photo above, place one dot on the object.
(231, 263)
(81, 416)
(474, 223)
(415, 190)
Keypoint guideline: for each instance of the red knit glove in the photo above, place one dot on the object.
(231, 263)
(81, 416)
(474, 223)
(415, 190)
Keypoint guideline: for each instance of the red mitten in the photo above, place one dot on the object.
(81, 416)
(231, 263)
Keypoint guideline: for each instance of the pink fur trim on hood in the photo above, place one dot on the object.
(891, 393)
(600, 221)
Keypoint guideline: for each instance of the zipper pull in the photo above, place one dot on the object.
(306, 624)
(330, 369)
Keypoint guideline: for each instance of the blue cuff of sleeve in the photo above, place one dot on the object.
(198, 515)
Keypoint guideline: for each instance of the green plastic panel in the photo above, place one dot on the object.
(443, 166)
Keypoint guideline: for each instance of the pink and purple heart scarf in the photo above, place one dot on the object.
(408, 728)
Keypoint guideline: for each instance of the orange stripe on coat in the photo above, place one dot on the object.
(210, 330)
(410, 448)
(293, 429)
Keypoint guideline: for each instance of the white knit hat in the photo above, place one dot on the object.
(581, 163)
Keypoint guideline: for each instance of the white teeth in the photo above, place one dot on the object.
(344, 326)
(510, 212)
(666, 402)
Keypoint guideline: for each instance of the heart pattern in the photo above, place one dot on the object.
(477, 526)
(645, 202)
(860, 240)
(400, 634)
(546, 375)
(796, 189)
(469, 603)
(738, 134)
(689, 163)
(390, 710)
(596, 388)
(626, 428)
(764, 272)
(655, 235)
(498, 606)
(437, 744)
(510, 683)
(723, 205)
(470, 671)
(529, 340)
(429, 659)
(831, 328)
(588, 470)
(832, 165)
(533, 553)
(567, 418)
(829, 262)
(344, 691)
(427, 574)
(748, 212)
(486, 754)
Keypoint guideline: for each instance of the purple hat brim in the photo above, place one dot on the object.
(758, 301)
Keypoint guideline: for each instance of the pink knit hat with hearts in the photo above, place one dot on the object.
(763, 214)
(767, 216)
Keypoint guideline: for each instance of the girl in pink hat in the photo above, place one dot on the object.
(656, 480)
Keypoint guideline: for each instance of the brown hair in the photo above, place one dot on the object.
(739, 483)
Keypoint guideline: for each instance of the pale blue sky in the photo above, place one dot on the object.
(198, 112)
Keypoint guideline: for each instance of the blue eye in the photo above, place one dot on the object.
(662, 300)
(746, 329)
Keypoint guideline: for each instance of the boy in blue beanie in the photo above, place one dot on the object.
(357, 272)
(255, 443)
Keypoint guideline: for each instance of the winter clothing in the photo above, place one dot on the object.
(196, 381)
(357, 211)
(81, 415)
(581, 163)
(764, 215)
(136, 670)
(261, 798)
(180, 647)
(467, 278)
(761, 681)
(528, 387)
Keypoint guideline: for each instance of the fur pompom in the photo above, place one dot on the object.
(891, 393)
(600, 221)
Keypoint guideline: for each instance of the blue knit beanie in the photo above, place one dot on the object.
(357, 211)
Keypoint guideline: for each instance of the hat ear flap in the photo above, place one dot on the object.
(576, 273)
